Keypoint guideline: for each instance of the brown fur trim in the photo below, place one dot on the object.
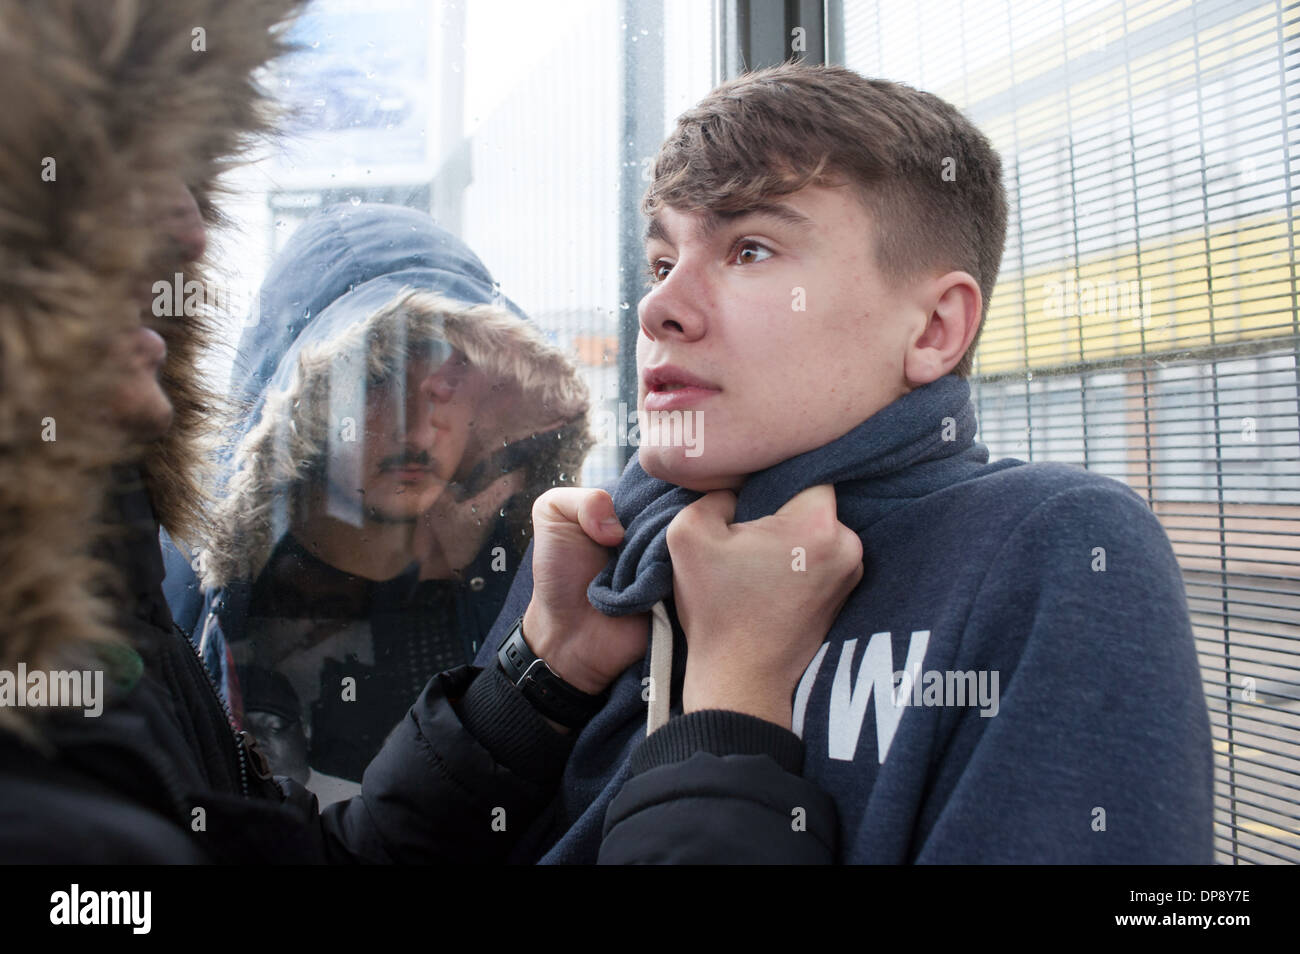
(115, 95)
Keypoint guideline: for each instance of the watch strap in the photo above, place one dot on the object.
(549, 694)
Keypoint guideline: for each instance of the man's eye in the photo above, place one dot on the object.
(747, 253)
(659, 271)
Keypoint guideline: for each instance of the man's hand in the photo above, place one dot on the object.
(753, 619)
(572, 529)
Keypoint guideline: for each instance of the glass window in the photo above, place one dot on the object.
(424, 331)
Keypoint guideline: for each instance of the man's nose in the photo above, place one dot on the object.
(419, 422)
(441, 384)
(676, 307)
(426, 400)
(182, 223)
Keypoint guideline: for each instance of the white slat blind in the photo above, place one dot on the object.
(1145, 324)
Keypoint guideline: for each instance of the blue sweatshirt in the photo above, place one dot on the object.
(1013, 680)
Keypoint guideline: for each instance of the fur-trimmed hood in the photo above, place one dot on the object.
(355, 291)
(107, 105)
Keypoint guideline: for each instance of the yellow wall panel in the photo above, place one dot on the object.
(1107, 308)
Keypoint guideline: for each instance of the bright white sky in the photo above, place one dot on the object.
(503, 41)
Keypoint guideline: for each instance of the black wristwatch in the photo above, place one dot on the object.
(549, 694)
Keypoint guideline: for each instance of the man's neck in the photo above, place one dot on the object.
(376, 550)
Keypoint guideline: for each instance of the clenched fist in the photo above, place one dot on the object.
(753, 620)
(572, 530)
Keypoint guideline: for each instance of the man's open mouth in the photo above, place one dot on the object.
(667, 378)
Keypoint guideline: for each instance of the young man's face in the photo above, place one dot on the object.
(784, 317)
(138, 405)
(416, 429)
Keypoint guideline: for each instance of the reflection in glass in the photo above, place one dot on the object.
(403, 417)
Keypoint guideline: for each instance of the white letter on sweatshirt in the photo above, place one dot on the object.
(805, 689)
(849, 696)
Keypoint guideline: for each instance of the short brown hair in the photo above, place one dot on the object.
(926, 175)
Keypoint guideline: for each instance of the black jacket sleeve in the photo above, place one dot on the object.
(717, 787)
(458, 780)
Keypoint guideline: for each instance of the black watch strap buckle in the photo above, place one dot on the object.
(549, 694)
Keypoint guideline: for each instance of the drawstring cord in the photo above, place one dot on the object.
(661, 667)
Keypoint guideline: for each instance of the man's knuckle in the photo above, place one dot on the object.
(850, 543)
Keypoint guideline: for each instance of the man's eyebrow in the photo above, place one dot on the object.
(655, 231)
(711, 221)
(773, 210)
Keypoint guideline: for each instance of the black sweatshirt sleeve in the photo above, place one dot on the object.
(718, 787)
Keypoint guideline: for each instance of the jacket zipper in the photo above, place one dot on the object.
(240, 737)
(244, 743)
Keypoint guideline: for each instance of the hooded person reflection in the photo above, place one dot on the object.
(377, 500)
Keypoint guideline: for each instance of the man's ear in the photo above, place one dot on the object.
(953, 303)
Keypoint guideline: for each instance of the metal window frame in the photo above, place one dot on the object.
(752, 34)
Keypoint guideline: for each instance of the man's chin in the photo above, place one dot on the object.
(145, 422)
(693, 472)
(404, 504)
